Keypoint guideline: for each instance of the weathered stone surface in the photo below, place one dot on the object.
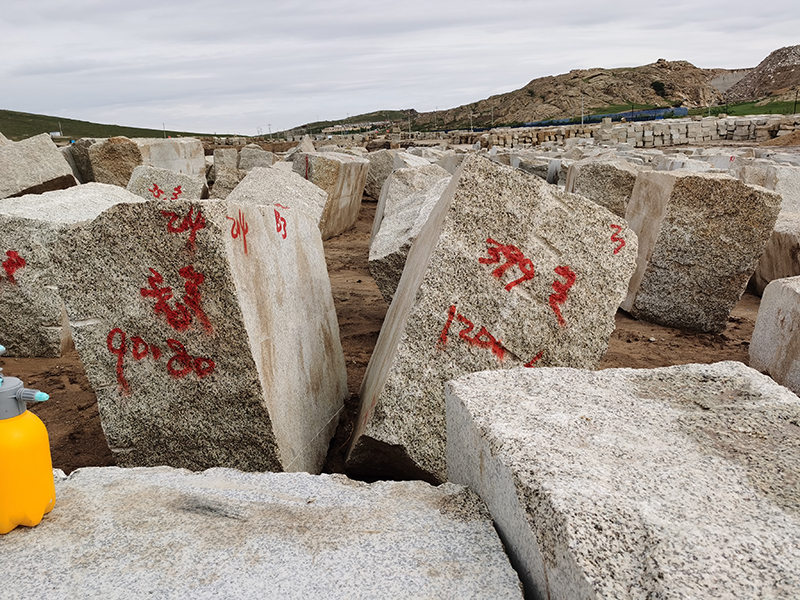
(4, 141)
(635, 483)
(113, 160)
(342, 177)
(407, 199)
(164, 184)
(66, 151)
(381, 165)
(785, 180)
(283, 188)
(33, 166)
(167, 533)
(252, 156)
(451, 161)
(775, 346)
(211, 339)
(226, 172)
(507, 271)
(305, 145)
(80, 154)
(781, 257)
(700, 238)
(182, 155)
(32, 317)
(608, 183)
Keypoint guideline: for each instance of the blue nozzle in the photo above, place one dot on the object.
(2, 348)
(40, 397)
(29, 395)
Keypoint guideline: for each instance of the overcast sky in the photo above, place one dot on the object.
(238, 65)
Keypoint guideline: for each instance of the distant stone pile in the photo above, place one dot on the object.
(776, 74)
(196, 292)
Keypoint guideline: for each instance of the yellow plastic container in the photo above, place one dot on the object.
(27, 489)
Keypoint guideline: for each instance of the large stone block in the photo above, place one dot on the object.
(700, 238)
(342, 177)
(279, 187)
(182, 155)
(164, 184)
(635, 483)
(406, 201)
(252, 156)
(33, 166)
(167, 533)
(113, 160)
(226, 172)
(381, 165)
(80, 154)
(776, 337)
(210, 338)
(305, 145)
(507, 271)
(32, 317)
(785, 180)
(781, 257)
(608, 183)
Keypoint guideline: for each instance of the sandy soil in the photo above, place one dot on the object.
(72, 420)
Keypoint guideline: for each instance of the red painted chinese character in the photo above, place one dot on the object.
(156, 191)
(561, 289)
(280, 223)
(190, 222)
(180, 317)
(238, 228)
(513, 256)
(12, 264)
(615, 238)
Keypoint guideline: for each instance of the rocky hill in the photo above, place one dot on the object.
(662, 83)
(774, 76)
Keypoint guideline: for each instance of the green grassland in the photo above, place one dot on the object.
(770, 107)
(18, 125)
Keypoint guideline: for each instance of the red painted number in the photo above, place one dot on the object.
(561, 289)
(280, 223)
(513, 256)
(238, 228)
(615, 238)
(481, 339)
(190, 222)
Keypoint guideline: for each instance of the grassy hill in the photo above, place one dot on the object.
(18, 125)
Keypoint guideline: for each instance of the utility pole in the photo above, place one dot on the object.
(164, 127)
(269, 128)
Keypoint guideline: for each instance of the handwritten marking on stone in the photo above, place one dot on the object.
(561, 289)
(481, 339)
(157, 192)
(615, 238)
(280, 223)
(179, 317)
(190, 222)
(513, 256)
(12, 264)
(239, 228)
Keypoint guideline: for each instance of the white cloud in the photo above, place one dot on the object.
(238, 65)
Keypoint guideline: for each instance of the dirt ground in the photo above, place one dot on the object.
(72, 420)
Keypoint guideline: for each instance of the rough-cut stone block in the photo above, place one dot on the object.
(32, 318)
(342, 177)
(700, 238)
(279, 187)
(785, 180)
(775, 346)
(182, 155)
(507, 271)
(381, 165)
(305, 145)
(33, 166)
(4, 141)
(609, 183)
(80, 154)
(113, 160)
(226, 172)
(164, 184)
(781, 257)
(407, 199)
(252, 156)
(166, 533)
(451, 161)
(66, 151)
(210, 338)
(635, 483)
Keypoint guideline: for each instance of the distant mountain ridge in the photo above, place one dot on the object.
(776, 75)
(660, 84)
